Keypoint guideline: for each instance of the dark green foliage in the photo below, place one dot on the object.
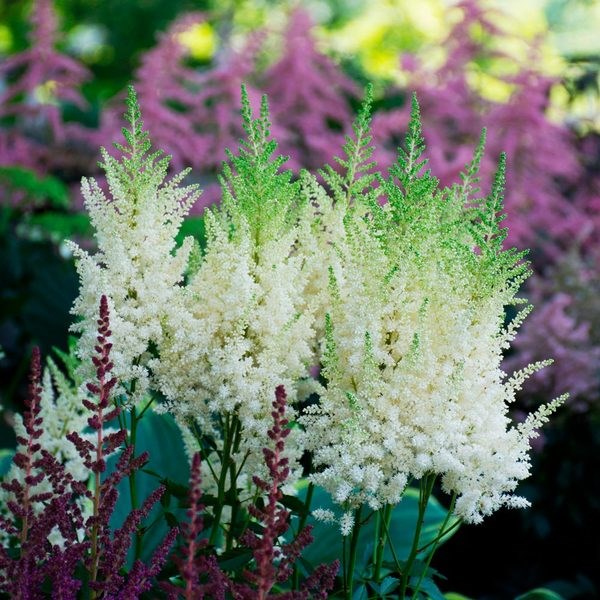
(33, 189)
(38, 288)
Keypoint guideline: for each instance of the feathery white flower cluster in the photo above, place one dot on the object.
(137, 265)
(413, 349)
(402, 303)
(241, 329)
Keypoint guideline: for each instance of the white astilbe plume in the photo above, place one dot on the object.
(241, 328)
(137, 265)
(413, 349)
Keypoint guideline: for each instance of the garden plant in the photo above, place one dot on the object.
(393, 288)
(308, 364)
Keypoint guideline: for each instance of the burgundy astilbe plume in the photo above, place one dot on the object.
(47, 502)
(199, 571)
(41, 503)
(108, 550)
(273, 563)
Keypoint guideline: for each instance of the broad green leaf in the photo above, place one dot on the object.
(160, 437)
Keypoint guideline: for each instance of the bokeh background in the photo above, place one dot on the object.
(527, 70)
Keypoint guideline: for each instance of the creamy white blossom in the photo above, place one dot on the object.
(413, 349)
(137, 264)
(242, 326)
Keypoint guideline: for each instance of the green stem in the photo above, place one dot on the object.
(377, 533)
(225, 458)
(382, 534)
(301, 525)
(132, 481)
(344, 567)
(233, 473)
(148, 405)
(391, 543)
(436, 543)
(353, 551)
(455, 525)
(425, 489)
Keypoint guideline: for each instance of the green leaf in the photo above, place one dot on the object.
(389, 584)
(294, 503)
(428, 586)
(171, 519)
(6, 457)
(540, 594)
(360, 593)
(160, 436)
(38, 190)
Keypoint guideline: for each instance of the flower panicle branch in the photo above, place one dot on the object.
(273, 563)
(194, 564)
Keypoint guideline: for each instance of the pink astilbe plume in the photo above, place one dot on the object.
(166, 89)
(218, 100)
(564, 326)
(308, 94)
(542, 158)
(40, 79)
(200, 572)
(273, 562)
(586, 191)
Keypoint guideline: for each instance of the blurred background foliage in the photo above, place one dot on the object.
(527, 69)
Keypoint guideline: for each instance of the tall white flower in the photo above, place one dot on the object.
(413, 347)
(137, 265)
(243, 328)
